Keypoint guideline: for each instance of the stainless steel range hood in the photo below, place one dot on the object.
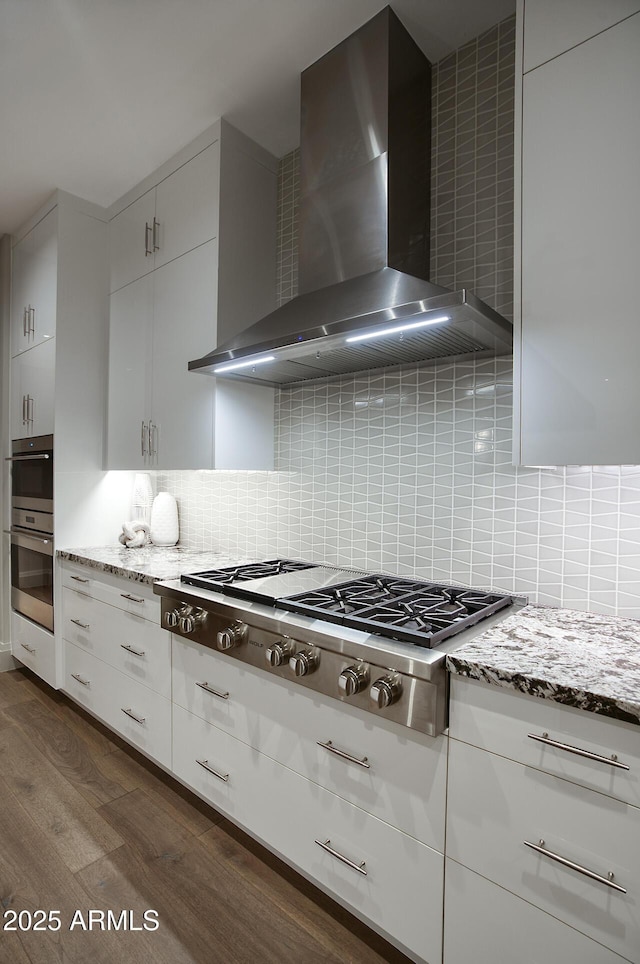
(365, 301)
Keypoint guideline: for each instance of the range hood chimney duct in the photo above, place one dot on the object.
(365, 300)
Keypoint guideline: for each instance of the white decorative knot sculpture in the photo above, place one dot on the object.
(134, 534)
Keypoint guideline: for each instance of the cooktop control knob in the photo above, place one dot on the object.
(304, 662)
(232, 636)
(172, 618)
(192, 620)
(353, 679)
(386, 690)
(278, 654)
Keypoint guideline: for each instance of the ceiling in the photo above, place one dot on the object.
(95, 94)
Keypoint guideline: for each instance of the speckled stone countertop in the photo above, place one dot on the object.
(149, 564)
(587, 660)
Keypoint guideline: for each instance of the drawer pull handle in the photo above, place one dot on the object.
(209, 689)
(76, 622)
(364, 762)
(85, 682)
(608, 880)
(79, 579)
(611, 760)
(130, 649)
(205, 766)
(138, 719)
(127, 595)
(29, 649)
(361, 868)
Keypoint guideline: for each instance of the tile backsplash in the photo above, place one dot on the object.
(410, 471)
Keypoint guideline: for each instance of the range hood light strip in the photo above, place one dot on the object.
(232, 366)
(398, 328)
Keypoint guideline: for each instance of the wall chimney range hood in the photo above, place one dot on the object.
(365, 301)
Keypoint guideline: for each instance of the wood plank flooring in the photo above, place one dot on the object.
(87, 823)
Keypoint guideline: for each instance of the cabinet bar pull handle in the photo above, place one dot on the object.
(153, 434)
(361, 868)
(79, 579)
(147, 232)
(24, 409)
(24, 321)
(32, 320)
(156, 235)
(611, 760)
(130, 649)
(364, 762)
(127, 595)
(85, 682)
(29, 408)
(138, 719)
(77, 622)
(210, 689)
(205, 766)
(143, 431)
(608, 880)
(29, 649)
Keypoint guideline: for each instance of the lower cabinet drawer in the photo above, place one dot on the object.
(134, 645)
(126, 594)
(35, 647)
(141, 716)
(387, 878)
(496, 807)
(485, 924)
(386, 769)
(544, 734)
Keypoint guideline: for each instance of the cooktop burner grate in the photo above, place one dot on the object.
(217, 578)
(415, 612)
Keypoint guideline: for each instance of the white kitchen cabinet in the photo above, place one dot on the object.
(552, 27)
(577, 211)
(167, 221)
(485, 924)
(130, 327)
(34, 646)
(210, 218)
(398, 889)
(131, 241)
(32, 391)
(117, 657)
(396, 774)
(34, 285)
(503, 791)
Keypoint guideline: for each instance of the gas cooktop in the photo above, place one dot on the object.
(422, 613)
(376, 642)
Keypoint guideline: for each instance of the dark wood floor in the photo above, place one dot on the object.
(86, 824)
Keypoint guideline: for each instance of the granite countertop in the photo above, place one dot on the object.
(149, 564)
(587, 660)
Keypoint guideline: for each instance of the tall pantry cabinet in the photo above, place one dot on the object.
(577, 240)
(192, 255)
(58, 336)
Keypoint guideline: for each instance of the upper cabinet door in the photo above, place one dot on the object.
(129, 361)
(553, 26)
(184, 327)
(32, 391)
(131, 241)
(580, 340)
(34, 279)
(187, 206)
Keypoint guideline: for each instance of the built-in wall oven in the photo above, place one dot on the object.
(32, 529)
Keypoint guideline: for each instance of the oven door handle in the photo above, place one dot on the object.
(23, 538)
(26, 458)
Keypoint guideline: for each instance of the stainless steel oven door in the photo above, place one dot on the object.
(32, 474)
(32, 576)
